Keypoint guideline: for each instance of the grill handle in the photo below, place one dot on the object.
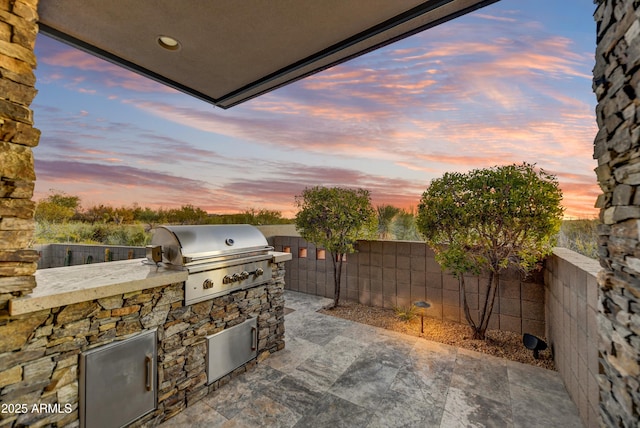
(148, 361)
(221, 255)
(254, 338)
(154, 253)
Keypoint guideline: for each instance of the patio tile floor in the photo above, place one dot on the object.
(337, 373)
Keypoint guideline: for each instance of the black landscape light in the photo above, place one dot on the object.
(534, 343)
(422, 311)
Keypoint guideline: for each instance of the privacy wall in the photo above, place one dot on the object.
(571, 302)
(397, 273)
(58, 255)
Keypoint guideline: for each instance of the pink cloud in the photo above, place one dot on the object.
(59, 170)
(308, 134)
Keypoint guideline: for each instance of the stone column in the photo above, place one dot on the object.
(617, 148)
(18, 30)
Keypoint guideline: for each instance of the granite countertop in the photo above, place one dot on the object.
(74, 284)
(281, 257)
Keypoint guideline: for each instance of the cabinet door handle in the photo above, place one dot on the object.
(254, 338)
(148, 361)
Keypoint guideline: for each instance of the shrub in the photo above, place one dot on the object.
(404, 313)
(488, 220)
(580, 236)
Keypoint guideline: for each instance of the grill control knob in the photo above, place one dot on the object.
(259, 271)
(207, 284)
(235, 277)
(244, 275)
(227, 279)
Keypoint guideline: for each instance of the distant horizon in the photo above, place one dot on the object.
(509, 83)
(84, 207)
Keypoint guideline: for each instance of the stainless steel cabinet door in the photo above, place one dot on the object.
(231, 348)
(118, 382)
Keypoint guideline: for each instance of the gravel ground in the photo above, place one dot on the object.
(503, 344)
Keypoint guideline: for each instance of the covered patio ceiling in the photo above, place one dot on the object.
(227, 52)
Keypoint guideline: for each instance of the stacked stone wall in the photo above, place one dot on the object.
(617, 148)
(39, 352)
(18, 30)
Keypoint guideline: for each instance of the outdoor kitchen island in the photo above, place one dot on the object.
(50, 336)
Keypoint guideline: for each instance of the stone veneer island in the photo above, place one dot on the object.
(78, 308)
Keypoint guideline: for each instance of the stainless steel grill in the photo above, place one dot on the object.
(219, 258)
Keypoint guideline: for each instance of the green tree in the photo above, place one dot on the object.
(58, 207)
(186, 214)
(263, 216)
(98, 214)
(123, 215)
(64, 200)
(488, 220)
(334, 218)
(148, 216)
(404, 226)
(386, 213)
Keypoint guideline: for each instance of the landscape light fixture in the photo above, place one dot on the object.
(534, 343)
(422, 307)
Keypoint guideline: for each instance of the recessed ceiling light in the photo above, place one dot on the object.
(168, 43)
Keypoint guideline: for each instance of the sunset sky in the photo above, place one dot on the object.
(508, 83)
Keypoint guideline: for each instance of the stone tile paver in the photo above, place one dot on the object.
(336, 373)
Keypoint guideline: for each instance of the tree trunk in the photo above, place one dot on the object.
(477, 334)
(494, 288)
(337, 275)
(467, 312)
(479, 331)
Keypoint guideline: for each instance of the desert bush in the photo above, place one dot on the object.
(71, 232)
(85, 233)
(580, 236)
(58, 207)
(405, 313)
(404, 226)
(133, 235)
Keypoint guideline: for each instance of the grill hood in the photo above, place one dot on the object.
(186, 245)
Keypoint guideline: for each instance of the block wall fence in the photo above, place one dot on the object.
(397, 273)
(57, 255)
(571, 307)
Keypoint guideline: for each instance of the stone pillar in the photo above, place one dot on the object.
(18, 30)
(617, 148)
